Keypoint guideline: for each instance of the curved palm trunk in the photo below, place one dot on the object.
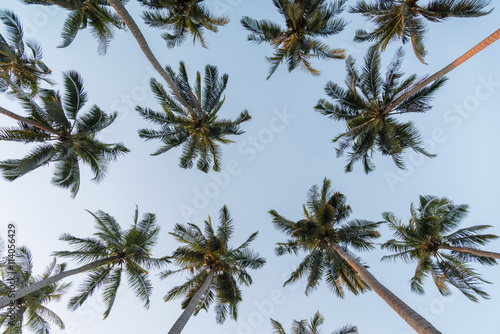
(143, 44)
(188, 311)
(10, 114)
(471, 251)
(460, 60)
(5, 301)
(415, 320)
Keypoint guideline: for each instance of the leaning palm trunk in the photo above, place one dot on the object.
(460, 60)
(472, 251)
(189, 310)
(10, 114)
(5, 301)
(143, 44)
(415, 320)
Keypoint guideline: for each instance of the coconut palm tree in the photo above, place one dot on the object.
(64, 136)
(215, 268)
(403, 19)
(306, 20)
(182, 18)
(328, 238)
(143, 44)
(363, 106)
(29, 311)
(106, 256)
(19, 68)
(196, 126)
(442, 251)
(312, 327)
(86, 13)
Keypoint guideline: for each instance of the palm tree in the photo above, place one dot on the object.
(30, 311)
(312, 327)
(143, 44)
(306, 20)
(328, 239)
(183, 17)
(403, 19)
(17, 67)
(64, 136)
(432, 229)
(215, 268)
(364, 106)
(112, 252)
(195, 125)
(83, 13)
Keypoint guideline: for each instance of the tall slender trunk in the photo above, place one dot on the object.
(415, 320)
(5, 300)
(10, 114)
(460, 60)
(471, 251)
(143, 44)
(188, 311)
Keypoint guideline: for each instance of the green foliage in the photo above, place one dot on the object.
(306, 20)
(128, 251)
(181, 18)
(403, 19)
(193, 121)
(211, 250)
(21, 65)
(311, 327)
(75, 141)
(30, 311)
(325, 217)
(364, 106)
(432, 225)
(86, 13)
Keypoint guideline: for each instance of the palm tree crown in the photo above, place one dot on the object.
(402, 19)
(432, 226)
(127, 250)
(192, 121)
(18, 69)
(30, 311)
(363, 105)
(86, 13)
(311, 327)
(306, 20)
(182, 17)
(71, 139)
(326, 214)
(211, 252)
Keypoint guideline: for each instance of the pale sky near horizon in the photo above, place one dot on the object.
(286, 148)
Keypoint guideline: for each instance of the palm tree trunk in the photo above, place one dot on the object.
(460, 60)
(188, 311)
(415, 320)
(10, 114)
(5, 301)
(471, 251)
(143, 44)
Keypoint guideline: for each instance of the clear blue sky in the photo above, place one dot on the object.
(286, 149)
